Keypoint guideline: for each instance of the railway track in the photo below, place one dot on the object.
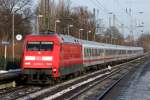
(25, 91)
(8, 90)
(70, 89)
(106, 92)
(7, 78)
(73, 88)
(14, 93)
(74, 91)
(99, 89)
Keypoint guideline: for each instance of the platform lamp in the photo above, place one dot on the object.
(37, 23)
(88, 34)
(80, 33)
(13, 32)
(69, 26)
(55, 27)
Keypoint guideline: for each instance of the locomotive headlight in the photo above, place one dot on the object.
(47, 58)
(29, 57)
(27, 63)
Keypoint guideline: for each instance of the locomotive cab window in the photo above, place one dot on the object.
(33, 46)
(39, 46)
(46, 46)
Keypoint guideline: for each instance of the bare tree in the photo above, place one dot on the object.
(22, 14)
(79, 17)
(114, 36)
(144, 41)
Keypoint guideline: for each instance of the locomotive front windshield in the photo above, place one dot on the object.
(39, 46)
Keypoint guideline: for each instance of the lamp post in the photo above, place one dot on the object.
(5, 43)
(110, 13)
(37, 23)
(55, 27)
(69, 26)
(88, 34)
(80, 33)
(104, 38)
(13, 33)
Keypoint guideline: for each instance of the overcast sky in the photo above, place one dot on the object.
(118, 7)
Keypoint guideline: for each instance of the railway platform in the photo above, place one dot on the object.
(7, 78)
(135, 86)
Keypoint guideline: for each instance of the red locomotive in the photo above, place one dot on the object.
(49, 57)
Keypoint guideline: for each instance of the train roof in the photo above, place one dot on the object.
(108, 46)
(71, 39)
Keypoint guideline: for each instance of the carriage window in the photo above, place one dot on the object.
(39, 46)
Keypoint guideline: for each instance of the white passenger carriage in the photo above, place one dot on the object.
(97, 53)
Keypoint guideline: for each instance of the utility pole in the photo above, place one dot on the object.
(13, 36)
(94, 13)
(131, 26)
(122, 26)
(48, 15)
(109, 21)
(110, 13)
(114, 20)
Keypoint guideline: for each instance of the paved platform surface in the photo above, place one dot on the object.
(135, 86)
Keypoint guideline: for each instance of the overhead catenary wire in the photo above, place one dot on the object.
(106, 11)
